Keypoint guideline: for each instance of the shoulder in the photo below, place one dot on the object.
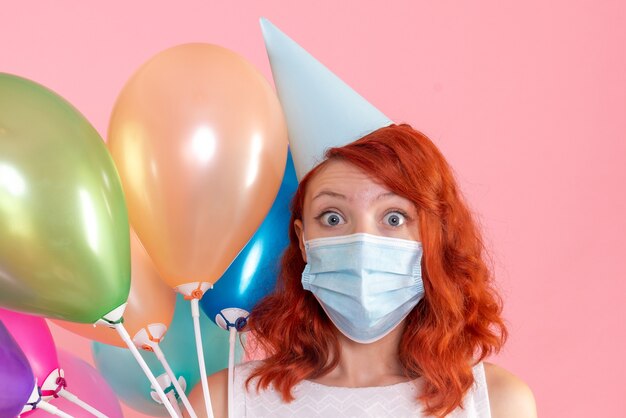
(509, 396)
(218, 386)
(218, 389)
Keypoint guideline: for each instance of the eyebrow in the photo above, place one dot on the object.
(329, 193)
(340, 196)
(385, 195)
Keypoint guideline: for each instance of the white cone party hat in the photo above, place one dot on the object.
(321, 110)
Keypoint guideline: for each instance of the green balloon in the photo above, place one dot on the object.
(64, 234)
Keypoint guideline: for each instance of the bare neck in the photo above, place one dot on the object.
(367, 365)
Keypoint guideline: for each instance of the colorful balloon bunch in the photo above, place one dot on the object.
(196, 156)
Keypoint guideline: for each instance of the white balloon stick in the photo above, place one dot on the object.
(51, 409)
(195, 313)
(142, 363)
(64, 393)
(231, 370)
(181, 392)
(172, 397)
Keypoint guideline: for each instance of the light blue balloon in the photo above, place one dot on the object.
(120, 369)
(252, 275)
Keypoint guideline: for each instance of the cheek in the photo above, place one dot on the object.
(401, 234)
(410, 231)
(310, 228)
(414, 231)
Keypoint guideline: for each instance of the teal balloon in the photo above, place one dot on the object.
(120, 369)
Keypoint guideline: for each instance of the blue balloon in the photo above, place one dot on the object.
(121, 371)
(252, 275)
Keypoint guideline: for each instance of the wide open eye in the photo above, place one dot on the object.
(395, 218)
(331, 218)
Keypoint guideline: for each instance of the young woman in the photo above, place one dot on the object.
(385, 304)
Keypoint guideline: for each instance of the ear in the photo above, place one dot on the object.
(299, 228)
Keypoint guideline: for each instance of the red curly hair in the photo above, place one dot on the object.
(457, 323)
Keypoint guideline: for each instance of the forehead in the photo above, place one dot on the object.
(344, 178)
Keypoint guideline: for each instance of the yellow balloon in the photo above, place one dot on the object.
(200, 143)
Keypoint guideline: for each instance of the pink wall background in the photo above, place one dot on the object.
(526, 100)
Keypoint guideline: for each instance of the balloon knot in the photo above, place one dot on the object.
(152, 337)
(196, 293)
(118, 321)
(241, 323)
(61, 384)
(146, 347)
(33, 405)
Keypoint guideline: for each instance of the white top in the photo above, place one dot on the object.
(316, 400)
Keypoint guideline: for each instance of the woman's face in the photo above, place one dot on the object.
(342, 200)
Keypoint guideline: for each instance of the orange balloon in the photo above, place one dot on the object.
(200, 143)
(150, 303)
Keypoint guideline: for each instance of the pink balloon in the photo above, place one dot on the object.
(34, 338)
(85, 382)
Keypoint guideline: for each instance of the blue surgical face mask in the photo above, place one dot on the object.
(367, 284)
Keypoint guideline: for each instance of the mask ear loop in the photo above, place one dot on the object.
(233, 329)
